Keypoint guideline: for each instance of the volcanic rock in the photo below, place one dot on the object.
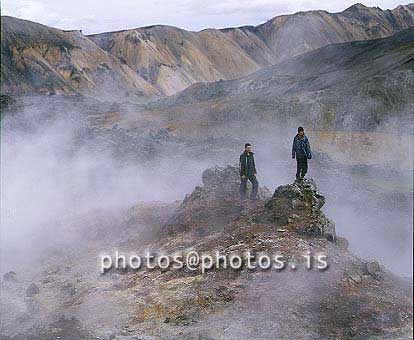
(212, 206)
(303, 201)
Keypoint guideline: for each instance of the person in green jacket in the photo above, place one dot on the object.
(248, 172)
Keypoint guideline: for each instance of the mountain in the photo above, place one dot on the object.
(361, 85)
(37, 58)
(154, 60)
(172, 59)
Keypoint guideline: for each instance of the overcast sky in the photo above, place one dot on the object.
(94, 16)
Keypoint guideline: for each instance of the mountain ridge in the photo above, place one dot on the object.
(316, 86)
(246, 48)
(40, 59)
(163, 60)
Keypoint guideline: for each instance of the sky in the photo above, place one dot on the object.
(95, 16)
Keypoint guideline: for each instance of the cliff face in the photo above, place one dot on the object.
(162, 59)
(172, 59)
(37, 58)
(351, 299)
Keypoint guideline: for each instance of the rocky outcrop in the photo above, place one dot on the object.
(351, 299)
(298, 206)
(216, 206)
(348, 299)
(211, 207)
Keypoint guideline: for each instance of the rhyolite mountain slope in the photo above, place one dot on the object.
(172, 59)
(41, 59)
(361, 85)
(351, 299)
(161, 59)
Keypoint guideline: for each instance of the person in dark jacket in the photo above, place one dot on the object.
(248, 172)
(302, 152)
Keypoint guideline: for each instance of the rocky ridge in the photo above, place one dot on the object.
(352, 299)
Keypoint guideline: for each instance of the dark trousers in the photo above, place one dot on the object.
(302, 167)
(243, 187)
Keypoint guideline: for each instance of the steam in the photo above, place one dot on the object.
(48, 182)
(50, 178)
